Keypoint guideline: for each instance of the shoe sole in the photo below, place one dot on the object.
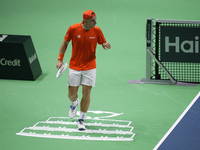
(81, 129)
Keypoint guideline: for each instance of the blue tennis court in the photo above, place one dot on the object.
(185, 133)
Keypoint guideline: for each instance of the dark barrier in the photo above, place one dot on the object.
(18, 58)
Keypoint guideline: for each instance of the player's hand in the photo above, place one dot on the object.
(106, 45)
(59, 64)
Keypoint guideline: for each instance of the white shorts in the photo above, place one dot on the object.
(77, 78)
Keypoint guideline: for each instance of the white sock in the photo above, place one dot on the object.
(74, 103)
(82, 115)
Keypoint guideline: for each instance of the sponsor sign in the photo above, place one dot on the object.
(18, 59)
(180, 44)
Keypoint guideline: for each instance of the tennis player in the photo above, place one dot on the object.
(82, 65)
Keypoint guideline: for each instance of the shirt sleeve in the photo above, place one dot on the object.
(101, 38)
(68, 35)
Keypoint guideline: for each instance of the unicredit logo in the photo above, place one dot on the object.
(32, 58)
(186, 46)
(3, 37)
(15, 62)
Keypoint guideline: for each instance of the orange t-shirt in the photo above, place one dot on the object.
(84, 44)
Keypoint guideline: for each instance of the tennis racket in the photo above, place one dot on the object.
(61, 70)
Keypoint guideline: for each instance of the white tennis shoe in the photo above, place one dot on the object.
(81, 126)
(72, 110)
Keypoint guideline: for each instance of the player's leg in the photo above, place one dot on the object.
(85, 102)
(88, 81)
(72, 93)
(74, 79)
(73, 96)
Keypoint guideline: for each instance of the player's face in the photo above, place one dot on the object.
(92, 22)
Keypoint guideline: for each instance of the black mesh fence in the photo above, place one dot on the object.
(181, 71)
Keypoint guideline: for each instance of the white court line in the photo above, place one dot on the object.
(102, 138)
(104, 134)
(177, 121)
(75, 130)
